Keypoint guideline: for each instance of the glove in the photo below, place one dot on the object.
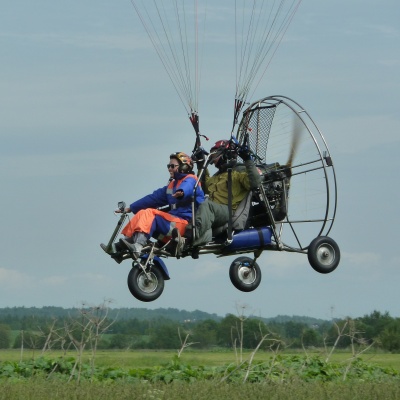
(199, 157)
(244, 153)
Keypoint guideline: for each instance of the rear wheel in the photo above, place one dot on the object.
(146, 286)
(245, 274)
(323, 254)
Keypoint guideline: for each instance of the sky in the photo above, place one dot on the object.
(88, 117)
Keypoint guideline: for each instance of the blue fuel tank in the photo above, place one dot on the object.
(251, 239)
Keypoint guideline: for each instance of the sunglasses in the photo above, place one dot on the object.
(173, 166)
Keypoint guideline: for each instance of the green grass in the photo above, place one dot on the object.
(151, 358)
(45, 386)
(50, 390)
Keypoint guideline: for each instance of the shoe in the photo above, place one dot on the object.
(195, 253)
(113, 251)
(180, 241)
(108, 250)
(135, 248)
(117, 258)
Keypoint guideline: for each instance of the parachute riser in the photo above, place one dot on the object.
(194, 119)
(236, 111)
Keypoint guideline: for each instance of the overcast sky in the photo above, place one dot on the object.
(88, 117)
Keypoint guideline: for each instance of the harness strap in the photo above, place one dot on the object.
(170, 190)
(261, 237)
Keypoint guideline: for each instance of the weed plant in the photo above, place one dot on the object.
(284, 377)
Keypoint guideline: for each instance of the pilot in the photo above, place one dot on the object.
(214, 211)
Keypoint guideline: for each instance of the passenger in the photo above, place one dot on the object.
(149, 221)
(214, 211)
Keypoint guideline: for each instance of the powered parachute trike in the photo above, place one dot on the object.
(294, 207)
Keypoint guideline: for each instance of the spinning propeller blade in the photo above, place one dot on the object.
(297, 128)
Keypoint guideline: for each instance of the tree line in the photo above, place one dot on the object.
(10, 314)
(66, 330)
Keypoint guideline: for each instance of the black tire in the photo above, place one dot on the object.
(323, 254)
(143, 288)
(245, 274)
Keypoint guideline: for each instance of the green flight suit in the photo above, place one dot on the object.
(214, 211)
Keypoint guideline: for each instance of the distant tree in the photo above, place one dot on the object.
(375, 323)
(234, 330)
(253, 330)
(165, 336)
(294, 330)
(120, 341)
(31, 340)
(337, 335)
(311, 337)
(227, 331)
(205, 333)
(5, 336)
(390, 337)
(132, 326)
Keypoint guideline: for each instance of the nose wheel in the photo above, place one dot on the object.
(245, 274)
(145, 286)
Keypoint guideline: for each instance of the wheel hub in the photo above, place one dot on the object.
(147, 283)
(326, 254)
(246, 274)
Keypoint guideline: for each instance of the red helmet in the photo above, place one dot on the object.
(220, 145)
(218, 152)
(185, 162)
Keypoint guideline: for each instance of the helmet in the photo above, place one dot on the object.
(185, 162)
(219, 153)
(220, 146)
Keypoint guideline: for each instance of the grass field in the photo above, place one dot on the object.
(43, 388)
(151, 358)
(48, 390)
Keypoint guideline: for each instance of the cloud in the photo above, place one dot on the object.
(12, 279)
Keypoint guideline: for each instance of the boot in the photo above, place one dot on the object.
(110, 250)
(135, 243)
(135, 248)
(117, 258)
(180, 242)
(188, 234)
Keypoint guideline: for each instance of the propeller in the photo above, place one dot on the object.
(281, 206)
(294, 146)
